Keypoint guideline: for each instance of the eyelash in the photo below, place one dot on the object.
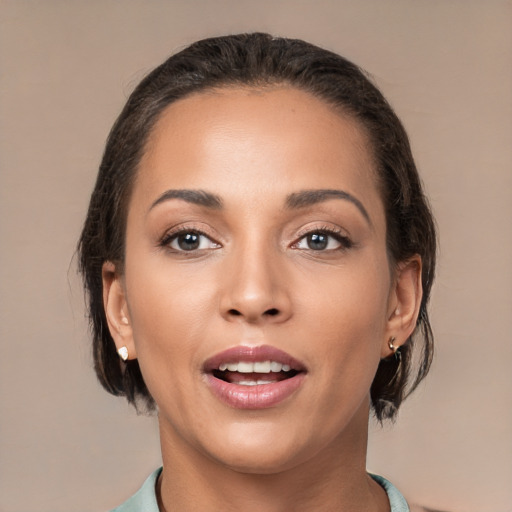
(344, 241)
(173, 235)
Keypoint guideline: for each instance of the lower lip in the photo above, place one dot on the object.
(261, 396)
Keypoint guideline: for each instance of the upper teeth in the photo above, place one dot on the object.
(258, 367)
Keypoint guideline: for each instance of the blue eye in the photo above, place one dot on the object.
(323, 241)
(189, 241)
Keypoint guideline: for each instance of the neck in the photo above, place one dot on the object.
(333, 479)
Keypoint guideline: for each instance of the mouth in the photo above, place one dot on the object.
(258, 373)
(253, 377)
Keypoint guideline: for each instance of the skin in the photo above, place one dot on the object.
(334, 309)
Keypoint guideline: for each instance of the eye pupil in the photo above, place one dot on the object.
(318, 241)
(188, 241)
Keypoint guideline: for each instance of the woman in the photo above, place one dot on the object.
(258, 255)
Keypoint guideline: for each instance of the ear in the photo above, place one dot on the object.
(116, 309)
(404, 304)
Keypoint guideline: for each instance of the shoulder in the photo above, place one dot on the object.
(397, 501)
(144, 498)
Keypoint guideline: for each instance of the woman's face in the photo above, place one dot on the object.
(257, 292)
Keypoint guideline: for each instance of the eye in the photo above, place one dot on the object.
(188, 241)
(323, 241)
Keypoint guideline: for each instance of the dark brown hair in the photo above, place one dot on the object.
(259, 60)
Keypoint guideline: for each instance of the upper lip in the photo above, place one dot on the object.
(244, 353)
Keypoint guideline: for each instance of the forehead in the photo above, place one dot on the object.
(270, 140)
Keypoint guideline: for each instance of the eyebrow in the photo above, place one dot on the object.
(296, 200)
(199, 197)
(315, 196)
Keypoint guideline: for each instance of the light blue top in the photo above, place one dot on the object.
(144, 500)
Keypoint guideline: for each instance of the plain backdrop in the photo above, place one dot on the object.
(66, 68)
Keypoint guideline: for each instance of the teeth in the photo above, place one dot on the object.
(245, 368)
(253, 382)
(275, 367)
(257, 367)
(262, 367)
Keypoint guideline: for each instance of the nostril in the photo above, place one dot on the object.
(269, 313)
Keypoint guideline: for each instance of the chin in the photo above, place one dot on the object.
(263, 451)
(264, 462)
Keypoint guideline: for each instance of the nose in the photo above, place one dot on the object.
(256, 288)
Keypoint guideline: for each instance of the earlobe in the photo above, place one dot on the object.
(404, 304)
(116, 311)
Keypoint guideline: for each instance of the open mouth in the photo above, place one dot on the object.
(253, 377)
(254, 374)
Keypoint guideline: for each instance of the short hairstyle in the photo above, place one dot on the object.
(260, 60)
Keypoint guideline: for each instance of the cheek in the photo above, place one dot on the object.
(168, 310)
(351, 297)
(347, 319)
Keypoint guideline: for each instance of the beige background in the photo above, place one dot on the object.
(66, 69)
